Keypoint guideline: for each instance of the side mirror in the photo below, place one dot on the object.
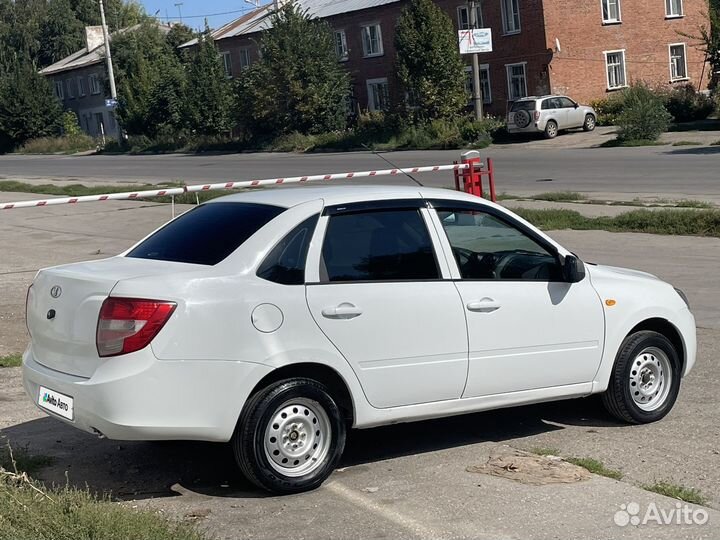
(577, 105)
(573, 269)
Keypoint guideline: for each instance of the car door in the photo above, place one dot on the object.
(575, 116)
(527, 329)
(380, 298)
(553, 111)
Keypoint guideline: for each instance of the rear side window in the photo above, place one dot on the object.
(206, 234)
(286, 262)
(523, 106)
(378, 246)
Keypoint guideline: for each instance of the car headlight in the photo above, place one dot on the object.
(683, 296)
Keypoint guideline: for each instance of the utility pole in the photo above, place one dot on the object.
(108, 58)
(477, 91)
(179, 6)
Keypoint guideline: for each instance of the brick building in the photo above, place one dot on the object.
(585, 48)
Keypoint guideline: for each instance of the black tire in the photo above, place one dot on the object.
(589, 123)
(248, 441)
(551, 129)
(618, 398)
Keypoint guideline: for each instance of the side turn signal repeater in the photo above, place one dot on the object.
(610, 302)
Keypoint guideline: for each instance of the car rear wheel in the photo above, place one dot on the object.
(551, 129)
(589, 124)
(290, 436)
(645, 380)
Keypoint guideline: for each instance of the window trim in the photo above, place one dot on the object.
(436, 205)
(81, 87)
(464, 7)
(686, 76)
(505, 20)
(96, 88)
(69, 83)
(244, 52)
(668, 15)
(610, 21)
(367, 54)
(483, 67)
(607, 75)
(509, 80)
(59, 89)
(227, 63)
(346, 56)
(368, 87)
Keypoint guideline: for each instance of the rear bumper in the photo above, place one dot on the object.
(138, 397)
(532, 128)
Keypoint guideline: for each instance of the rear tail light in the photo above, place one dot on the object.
(536, 115)
(127, 325)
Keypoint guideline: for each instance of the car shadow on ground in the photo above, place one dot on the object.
(142, 470)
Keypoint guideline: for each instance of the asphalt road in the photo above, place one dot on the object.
(617, 173)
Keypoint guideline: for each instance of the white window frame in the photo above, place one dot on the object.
(508, 76)
(59, 90)
(507, 29)
(81, 87)
(484, 68)
(610, 20)
(344, 54)
(668, 10)
(624, 66)
(227, 63)
(94, 81)
(464, 9)
(366, 28)
(369, 86)
(684, 56)
(70, 90)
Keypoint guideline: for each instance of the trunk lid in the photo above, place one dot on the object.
(64, 303)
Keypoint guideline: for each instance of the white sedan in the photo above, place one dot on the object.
(277, 319)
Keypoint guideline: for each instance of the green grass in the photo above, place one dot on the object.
(673, 222)
(686, 143)
(559, 196)
(689, 495)
(10, 360)
(545, 451)
(58, 145)
(614, 143)
(29, 510)
(595, 467)
(20, 460)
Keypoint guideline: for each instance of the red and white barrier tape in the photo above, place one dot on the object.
(229, 185)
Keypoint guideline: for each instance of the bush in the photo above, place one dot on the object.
(608, 110)
(686, 104)
(643, 116)
(59, 145)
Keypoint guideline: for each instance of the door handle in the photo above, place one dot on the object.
(345, 310)
(485, 305)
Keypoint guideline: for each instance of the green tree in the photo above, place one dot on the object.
(429, 65)
(644, 116)
(60, 33)
(298, 84)
(209, 94)
(28, 109)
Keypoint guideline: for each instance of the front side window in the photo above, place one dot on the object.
(286, 262)
(517, 82)
(615, 63)
(510, 16)
(566, 103)
(611, 11)
(341, 48)
(207, 234)
(678, 62)
(378, 96)
(487, 248)
(674, 8)
(372, 40)
(379, 245)
(464, 22)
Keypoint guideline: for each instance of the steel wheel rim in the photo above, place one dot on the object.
(297, 437)
(650, 379)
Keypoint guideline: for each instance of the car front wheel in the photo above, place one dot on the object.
(551, 129)
(645, 380)
(589, 123)
(290, 436)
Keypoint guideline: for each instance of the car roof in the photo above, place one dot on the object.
(340, 194)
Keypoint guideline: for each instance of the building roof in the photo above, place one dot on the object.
(260, 18)
(85, 57)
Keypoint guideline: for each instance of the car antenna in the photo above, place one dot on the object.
(392, 164)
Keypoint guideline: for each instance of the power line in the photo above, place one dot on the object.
(212, 14)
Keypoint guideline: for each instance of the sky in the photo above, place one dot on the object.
(194, 12)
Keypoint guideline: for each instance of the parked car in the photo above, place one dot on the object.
(277, 319)
(549, 115)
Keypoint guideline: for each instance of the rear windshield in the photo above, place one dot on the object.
(523, 106)
(206, 234)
